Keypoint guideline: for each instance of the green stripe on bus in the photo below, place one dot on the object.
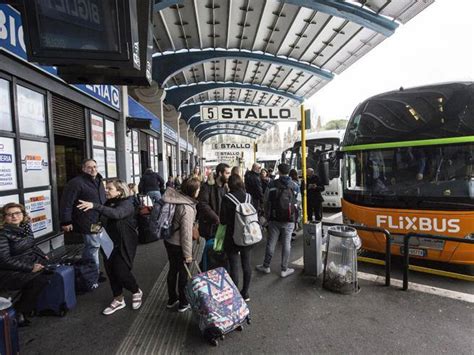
(453, 140)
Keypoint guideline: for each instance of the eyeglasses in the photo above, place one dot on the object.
(14, 214)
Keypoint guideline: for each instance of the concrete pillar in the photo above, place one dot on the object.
(188, 164)
(152, 98)
(124, 161)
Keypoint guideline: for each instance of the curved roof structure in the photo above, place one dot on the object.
(263, 52)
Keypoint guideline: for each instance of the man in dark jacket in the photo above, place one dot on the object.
(209, 201)
(315, 199)
(151, 184)
(88, 187)
(280, 208)
(253, 186)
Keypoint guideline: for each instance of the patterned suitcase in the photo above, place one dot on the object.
(217, 303)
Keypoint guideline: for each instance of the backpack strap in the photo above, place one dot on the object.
(248, 198)
(233, 199)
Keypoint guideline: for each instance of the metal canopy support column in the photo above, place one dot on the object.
(188, 169)
(124, 158)
(152, 97)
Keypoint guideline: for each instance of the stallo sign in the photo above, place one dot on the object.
(250, 113)
(231, 146)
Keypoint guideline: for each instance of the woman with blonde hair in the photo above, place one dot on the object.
(197, 173)
(21, 262)
(118, 219)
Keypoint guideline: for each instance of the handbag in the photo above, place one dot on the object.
(219, 238)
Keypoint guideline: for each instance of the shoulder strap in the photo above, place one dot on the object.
(233, 199)
(248, 198)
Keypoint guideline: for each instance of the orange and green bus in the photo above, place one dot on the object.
(409, 167)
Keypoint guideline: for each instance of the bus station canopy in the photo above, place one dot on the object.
(262, 52)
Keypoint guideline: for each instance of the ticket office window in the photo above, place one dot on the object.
(103, 139)
(25, 174)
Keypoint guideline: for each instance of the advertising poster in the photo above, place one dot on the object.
(34, 163)
(99, 157)
(109, 134)
(111, 164)
(7, 164)
(97, 130)
(31, 113)
(135, 141)
(5, 109)
(136, 164)
(38, 207)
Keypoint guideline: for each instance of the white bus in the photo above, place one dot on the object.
(268, 161)
(324, 143)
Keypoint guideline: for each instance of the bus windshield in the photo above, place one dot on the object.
(443, 111)
(316, 150)
(437, 177)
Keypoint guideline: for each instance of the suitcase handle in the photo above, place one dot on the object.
(189, 271)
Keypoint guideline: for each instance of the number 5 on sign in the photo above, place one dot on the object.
(209, 113)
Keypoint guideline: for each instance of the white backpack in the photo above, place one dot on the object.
(247, 230)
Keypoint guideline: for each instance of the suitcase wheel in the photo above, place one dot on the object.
(62, 312)
(222, 337)
(214, 342)
(248, 320)
(239, 328)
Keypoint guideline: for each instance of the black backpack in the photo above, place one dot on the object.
(283, 201)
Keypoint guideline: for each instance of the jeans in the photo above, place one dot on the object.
(177, 272)
(120, 275)
(234, 268)
(275, 230)
(155, 196)
(91, 249)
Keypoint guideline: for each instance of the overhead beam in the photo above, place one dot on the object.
(351, 12)
(179, 94)
(348, 11)
(168, 65)
(216, 127)
(205, 135)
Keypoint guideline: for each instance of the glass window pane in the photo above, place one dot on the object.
(135, 141)
(38, 207)
(97, 129)
(7, 199)
(99, 157)
(111, 164)
(7, 164)
(109, 134)
(136, 164)
(5, 107)
(31, 113)
(34, 163)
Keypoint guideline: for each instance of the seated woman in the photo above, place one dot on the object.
(21, 262)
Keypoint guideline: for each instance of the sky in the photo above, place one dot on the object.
(435, 46)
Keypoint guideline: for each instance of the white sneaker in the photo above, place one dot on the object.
(287, 272)
(137, 299)
(114, 306)
(263, 269)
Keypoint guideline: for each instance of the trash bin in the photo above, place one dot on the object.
(340, 268)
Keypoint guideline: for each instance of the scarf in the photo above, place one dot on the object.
(26, 230)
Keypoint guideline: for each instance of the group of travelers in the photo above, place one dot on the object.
(91, 206)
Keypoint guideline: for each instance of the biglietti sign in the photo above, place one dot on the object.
(231, 146)
(250, 113)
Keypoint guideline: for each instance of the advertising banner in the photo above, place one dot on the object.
(7, 164)
(38, 207)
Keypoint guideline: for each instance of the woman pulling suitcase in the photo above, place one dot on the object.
(118, 219)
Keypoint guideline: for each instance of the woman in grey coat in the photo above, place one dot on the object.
(179, 246)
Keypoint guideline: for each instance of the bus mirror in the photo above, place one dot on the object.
(324, 172)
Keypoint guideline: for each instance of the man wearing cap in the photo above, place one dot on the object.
(280, 209)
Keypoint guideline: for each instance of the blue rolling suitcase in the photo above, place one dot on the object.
(9, 344)
(60, 295)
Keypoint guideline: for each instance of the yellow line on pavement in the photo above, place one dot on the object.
(453, 275)
(370, 260)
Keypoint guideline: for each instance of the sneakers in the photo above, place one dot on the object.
(246, 297)
(183, 307)
(287, 272)
(263, 269)
(137, 299)
(171, 304)
(114, 306)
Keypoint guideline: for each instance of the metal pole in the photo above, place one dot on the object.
(303, 163)
(254, 152)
